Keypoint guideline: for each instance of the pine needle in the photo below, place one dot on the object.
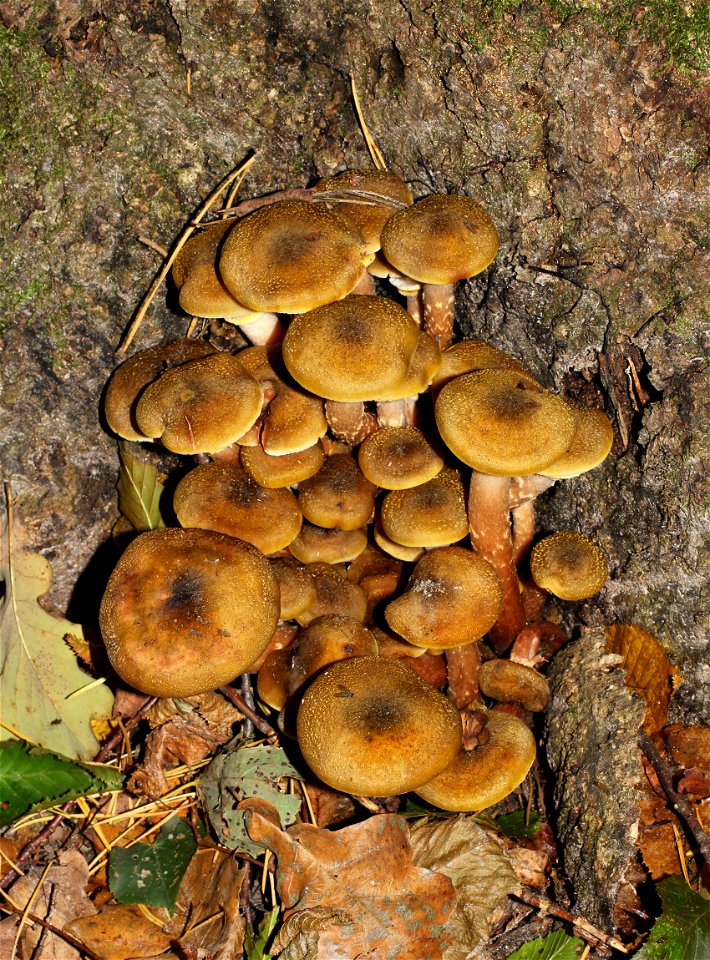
(375, 152)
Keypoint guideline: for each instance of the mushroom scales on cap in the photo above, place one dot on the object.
(372, 727)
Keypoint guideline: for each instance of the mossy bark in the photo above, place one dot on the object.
(586, 145)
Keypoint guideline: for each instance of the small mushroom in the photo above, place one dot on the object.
(334, 594)
(132, 377)
(437, 241)
(327, 640)
(223, 497)
(396, 458)
(186, 611)
(202, 406)
(480, 777)
(291, 257)
(283, 471)
(296, 586)
(510, 682)
(569, 565)
(370, 726)
(430, 515)
(339, 495)
(319, 544)
(453, 598)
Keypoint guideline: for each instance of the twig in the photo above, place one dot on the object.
(110, 745)
(261, 725)
(147, 242)
(249, 700)
(584, 927)
(68, 937)
(677, 803)
(255, 203)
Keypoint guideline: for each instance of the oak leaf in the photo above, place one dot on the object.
(119, 932)
(38, 670)
(648, 670)
(479, 869)
(384, 906)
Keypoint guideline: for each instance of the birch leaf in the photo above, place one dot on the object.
(38, 670)
(139, 492)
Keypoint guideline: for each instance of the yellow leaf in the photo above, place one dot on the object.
(38, 670)
(648, 670)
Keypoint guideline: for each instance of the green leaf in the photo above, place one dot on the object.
(150, 873)
(139, 492)
(682, 932)
(245, 772)
(33, 779)
(256, 947)
(555, 946)
(38, 670)
(516, 826)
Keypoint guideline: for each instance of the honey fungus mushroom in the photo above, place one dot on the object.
(186, 611)
(372, 727)
(479, 777)
(569, 565)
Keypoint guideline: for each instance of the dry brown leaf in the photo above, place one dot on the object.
(329, 806)
(298, 937)
(62, 898)
(397, 909)
(648, 670)
(120, 932)
(207, 916)
(479, 869)
(184, 731)
(689, 746)
(532, 867)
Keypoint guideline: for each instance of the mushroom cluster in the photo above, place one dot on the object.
(357, 521)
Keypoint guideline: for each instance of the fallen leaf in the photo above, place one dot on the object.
(150, 873)
(682, 932)
(689, 746)
(62, 898)
(238, 774)
(34, 779)
(365, 872)
(648, 670)
(120, 932)
(183, 731)
(207, 916)
(479, 869)
(38, 670)
(139, 491)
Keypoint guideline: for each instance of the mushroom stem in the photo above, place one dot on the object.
(462, 664)
(537, 643)
(365, 287)
(523, 518)
(267, 328)
(489, 525)
(349, 422)
(414, 307)
(391, 413)
(438, 310)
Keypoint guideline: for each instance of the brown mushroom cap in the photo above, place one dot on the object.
(290, 257)
(282, 471)
(338, 495)
(396, 550)
(353, 350)
(130, 379)
(453, 598)
(440, 239)
(371, 726)
(468, 356)
(273, 678)
(321, 545)
(202, 406)
(326, 640)
(186, 611)
(334, 594)
(503, 423)
(430, 515)
(569, 565)
(397, 458)
(296, 586)
(510, 682)
(478, 778)
(201, 290)
(223, 497)
(365, 212)
(591, 443)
